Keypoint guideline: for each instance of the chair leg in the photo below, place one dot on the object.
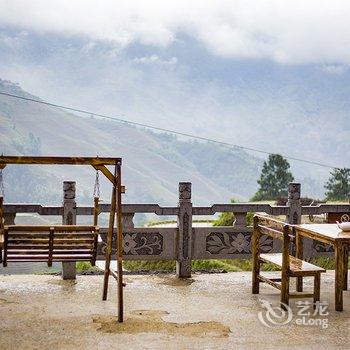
(317, 288)
(256, 281)
(284, 291)
(346, 262)
(255, 258)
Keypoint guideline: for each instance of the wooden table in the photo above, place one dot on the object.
(329, 234)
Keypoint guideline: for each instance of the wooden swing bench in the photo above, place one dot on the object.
(68, 243)
(54, 243)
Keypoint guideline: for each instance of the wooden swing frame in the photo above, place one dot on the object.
(115, 210)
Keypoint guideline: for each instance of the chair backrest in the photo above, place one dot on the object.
(50, 243)
(264, 225)
(272, 227)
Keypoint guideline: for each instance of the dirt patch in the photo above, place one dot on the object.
(5, 302)
(175, 282)
(150, 321)
(63, 283)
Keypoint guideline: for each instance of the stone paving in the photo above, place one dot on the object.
(209, 311)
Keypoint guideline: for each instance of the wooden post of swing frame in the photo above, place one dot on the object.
(119, 245)
(116, 208)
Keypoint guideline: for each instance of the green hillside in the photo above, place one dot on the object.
(154, 163)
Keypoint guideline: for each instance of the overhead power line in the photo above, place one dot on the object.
(227, 144)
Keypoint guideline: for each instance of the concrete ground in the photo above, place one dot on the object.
(209, 311)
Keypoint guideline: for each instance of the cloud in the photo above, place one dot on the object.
(12, 41)
(154, 59)
(289, 31)
(334, 69)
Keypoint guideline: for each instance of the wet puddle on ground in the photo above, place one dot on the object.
(150, 321)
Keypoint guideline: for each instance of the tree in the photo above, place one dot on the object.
(338, 185)
(274, 179)
(228, 218)
(225, 219)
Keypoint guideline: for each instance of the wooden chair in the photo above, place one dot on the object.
(290, 266)
(50, 243)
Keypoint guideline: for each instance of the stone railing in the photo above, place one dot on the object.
(185, 242)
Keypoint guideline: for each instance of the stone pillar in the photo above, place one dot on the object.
(240, 220)
(127, 220)
(9, 218)
(69, 218)
(294, 203)
(294, 216)
(184, 239)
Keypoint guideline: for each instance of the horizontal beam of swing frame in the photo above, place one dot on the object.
(97, 162)
(4, 160)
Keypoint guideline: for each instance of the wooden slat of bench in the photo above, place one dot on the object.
(16, 240)
(46, 228)
(26, 235)
(72, 259)
(74, 235)
(46, 246)
(50, 243)
(15, 250)
(73, 242)
(296, 265)
(45, 257)
(46, 241)
(23, 245)
(46, 251)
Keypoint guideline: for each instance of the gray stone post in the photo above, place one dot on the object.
(9, 218)
(184, 239)
(69, 218)
(294, 203)
(294, 216)
(127, 220)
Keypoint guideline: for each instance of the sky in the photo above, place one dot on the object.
(292, 32)
(267, 74)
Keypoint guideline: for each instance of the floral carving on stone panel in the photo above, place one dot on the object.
(234, 243)
(138, 243)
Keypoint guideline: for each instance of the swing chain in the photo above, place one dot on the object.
(97, 185)
(2, 188)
